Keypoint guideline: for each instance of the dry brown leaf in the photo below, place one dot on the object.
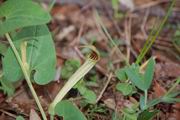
(177, 111)
(33, 115)
(158, 90)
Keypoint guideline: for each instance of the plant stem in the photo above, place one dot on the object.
(51, 117)
(26, 75)
(51, 5)
(173, 87)
(151, 39)
(110, 38)
(145, 98)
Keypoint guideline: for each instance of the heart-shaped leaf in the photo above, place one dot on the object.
(142, 81)
(15, 14)
(69, 111)
(136, 77)
(40, 55)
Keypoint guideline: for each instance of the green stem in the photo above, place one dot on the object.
(26, 75)
(146, 96)
(173, 87)
(51, 117)
(146, 48)
(51, 5)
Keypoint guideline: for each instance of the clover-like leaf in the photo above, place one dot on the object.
(15, 14)
(121, 74)
(125, 88)
(39, 55)
(69, 111)
(142, 81)
(136, 77)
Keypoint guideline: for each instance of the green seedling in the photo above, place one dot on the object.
(134, 75)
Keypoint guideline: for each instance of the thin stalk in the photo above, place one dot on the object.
(146, 96)
(173, 87)
(110, 38)
(146, 48)
(51, 5)
(51, 117)
(81, 72)
(26, 75)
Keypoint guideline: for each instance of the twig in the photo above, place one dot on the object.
(104, 88)
(99, 21)
(8, 113)
(151, 4)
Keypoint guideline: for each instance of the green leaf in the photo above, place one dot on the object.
(69, 68)
(90, 96)
(3, 48)
(125, 88)
(129, 114)
(7, 87)
(69, 111)
(136, 77)
(147, 115)
(153, 102)
(15, 14)
(40, 56)
(20, 118)
(148, 76)
(167, 99)
(121, 74)
(143, 82)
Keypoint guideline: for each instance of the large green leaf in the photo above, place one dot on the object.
(69, 111)
(15, 14)
(40, 55)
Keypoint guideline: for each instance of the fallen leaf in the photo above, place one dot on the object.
(177, 111)
(33, 115)
(158, 90)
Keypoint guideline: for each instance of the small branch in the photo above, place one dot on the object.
(104, 88)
